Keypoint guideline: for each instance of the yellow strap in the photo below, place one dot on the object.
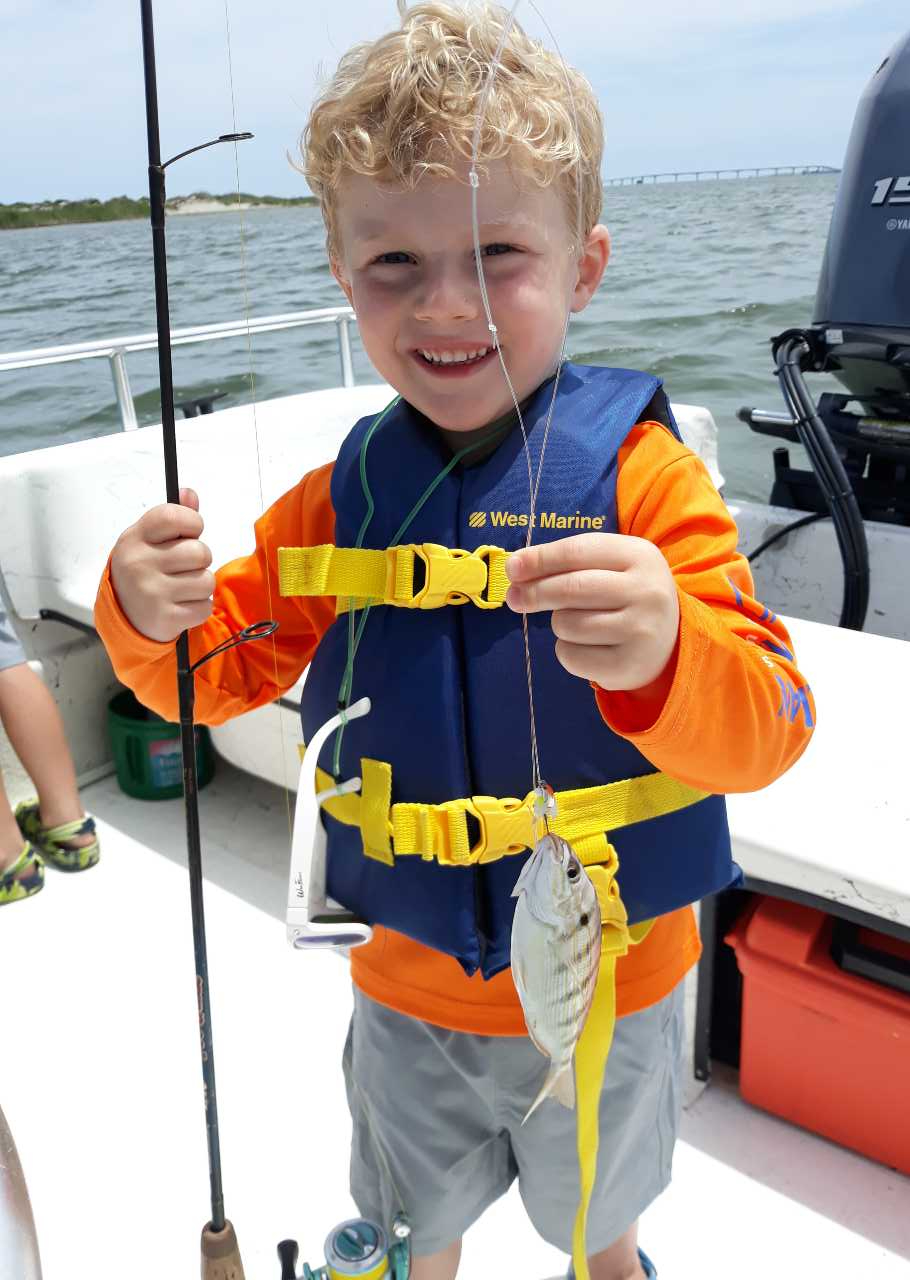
(590, 1064)
(440, 832)
(330, 571)
(374, 810)
(357, 576)
(593, 1047)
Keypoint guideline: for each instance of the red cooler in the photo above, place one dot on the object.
(826, 1026)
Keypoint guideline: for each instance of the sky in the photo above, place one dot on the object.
(683, 84)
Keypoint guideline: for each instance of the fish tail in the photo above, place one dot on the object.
(559, 1084)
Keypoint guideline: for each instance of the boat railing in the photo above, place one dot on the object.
(116, 349)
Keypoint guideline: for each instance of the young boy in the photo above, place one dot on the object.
(650, 657)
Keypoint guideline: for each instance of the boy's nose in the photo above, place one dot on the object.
(448, 295)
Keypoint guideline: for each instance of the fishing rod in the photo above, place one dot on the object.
(220, 1252)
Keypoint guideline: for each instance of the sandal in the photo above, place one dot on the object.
(55, 844)
(24, 878)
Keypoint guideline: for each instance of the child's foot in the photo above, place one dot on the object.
(23, 878)
(71, 846)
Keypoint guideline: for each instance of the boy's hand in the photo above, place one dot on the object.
(614, 602)
(160, 570)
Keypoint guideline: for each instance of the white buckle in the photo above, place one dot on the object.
(313, 920)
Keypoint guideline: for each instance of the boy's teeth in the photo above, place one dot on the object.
(452, 357)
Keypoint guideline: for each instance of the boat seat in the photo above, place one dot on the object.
(837, 825)
(64, 508)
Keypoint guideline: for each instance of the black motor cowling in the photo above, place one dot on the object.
(862, 307)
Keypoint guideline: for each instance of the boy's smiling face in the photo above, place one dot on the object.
(406, 264)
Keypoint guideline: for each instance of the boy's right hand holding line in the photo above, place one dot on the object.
(160, 570)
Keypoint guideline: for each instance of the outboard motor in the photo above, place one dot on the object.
(858, 441)
(862, 307)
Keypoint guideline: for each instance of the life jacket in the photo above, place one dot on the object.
(448, 685)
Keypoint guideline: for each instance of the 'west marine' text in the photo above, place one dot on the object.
(544, 519)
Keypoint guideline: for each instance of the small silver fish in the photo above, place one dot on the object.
(555, 957)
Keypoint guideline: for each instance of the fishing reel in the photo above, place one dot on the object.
(356, 1249)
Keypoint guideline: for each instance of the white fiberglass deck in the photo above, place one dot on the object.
(100, 1082)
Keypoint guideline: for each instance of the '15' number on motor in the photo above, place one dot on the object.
(892, 191)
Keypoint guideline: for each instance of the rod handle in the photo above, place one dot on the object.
(220, 1254)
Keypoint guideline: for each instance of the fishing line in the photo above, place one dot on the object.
(355, 633)
(533, 482)
(355, 628)
(260, 629)
(252, 380)
(578, 226)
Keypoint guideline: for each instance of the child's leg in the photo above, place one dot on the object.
(620, 1260)
(35, 730)
(438, 1266)
(12, 657)
(10, 835)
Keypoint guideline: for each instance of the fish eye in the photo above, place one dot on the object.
(573, 871)
(583, 920)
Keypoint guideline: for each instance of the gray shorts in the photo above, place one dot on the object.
(11, 651)
(437, 1125)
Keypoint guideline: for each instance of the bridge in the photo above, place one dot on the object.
(699, 175)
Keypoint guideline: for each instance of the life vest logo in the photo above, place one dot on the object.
(545, 519)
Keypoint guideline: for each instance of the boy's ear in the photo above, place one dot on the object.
(591, 266)
(343, 283)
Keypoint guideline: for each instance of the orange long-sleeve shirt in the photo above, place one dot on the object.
(730, 720)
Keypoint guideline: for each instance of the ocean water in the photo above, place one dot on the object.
(703, 274)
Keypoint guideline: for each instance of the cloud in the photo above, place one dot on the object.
(698, 83)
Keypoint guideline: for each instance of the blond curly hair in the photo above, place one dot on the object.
(407, 104)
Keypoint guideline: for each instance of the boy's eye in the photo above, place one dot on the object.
(393, 258)
(494, 250)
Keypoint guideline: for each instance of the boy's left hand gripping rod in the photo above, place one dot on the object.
(220, 1253)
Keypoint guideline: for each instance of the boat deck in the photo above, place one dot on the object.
(100, 1082)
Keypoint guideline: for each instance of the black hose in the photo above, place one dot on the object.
(789, 351)
(782, 533)
(832, 479)
(839, 496)
(51, 615)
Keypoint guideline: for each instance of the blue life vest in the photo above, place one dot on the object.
(448, 686)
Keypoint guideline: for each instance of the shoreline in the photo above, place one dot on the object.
(191, 205)
(57, 213)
